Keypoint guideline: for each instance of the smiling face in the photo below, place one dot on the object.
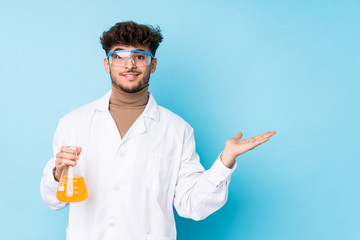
(130, 78)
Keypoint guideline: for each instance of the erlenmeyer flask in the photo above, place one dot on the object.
(72, 186)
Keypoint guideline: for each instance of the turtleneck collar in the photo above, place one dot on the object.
(120, 98)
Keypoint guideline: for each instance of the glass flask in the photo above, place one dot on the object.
(72, 186)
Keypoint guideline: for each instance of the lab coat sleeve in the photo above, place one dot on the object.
(199, 193)
(48, 185)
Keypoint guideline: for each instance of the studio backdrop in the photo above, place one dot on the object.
(224, 67)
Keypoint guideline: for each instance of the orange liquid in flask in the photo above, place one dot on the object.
(77, 193)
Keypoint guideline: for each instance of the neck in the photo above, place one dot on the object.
(124, 99)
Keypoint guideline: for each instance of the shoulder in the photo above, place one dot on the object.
(163, 116)
(84, 113)
(171, 116)
(78, 114)
(166, 117)
(173, 121)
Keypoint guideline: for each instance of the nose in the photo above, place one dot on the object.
(130, 64)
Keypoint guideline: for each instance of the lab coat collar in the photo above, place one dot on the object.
(151, 110)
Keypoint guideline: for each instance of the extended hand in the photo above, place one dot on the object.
(236, 146)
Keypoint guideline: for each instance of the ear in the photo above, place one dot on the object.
(153, 65)
(107, 65)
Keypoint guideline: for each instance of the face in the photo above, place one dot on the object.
(130, 78)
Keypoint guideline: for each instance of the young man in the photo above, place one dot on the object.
(138, 159)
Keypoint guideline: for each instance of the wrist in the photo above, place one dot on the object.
(55, 174)
(227, 159)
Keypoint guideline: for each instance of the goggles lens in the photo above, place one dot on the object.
(137, 57)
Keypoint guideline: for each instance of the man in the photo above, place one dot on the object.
(138, 159)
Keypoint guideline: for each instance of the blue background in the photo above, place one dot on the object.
(224, 66)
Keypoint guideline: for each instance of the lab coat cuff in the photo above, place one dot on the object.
(221, 172)
(50, 180)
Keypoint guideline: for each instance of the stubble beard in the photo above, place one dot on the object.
(141, 84)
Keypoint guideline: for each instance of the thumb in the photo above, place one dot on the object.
(78, 151)
(238, 135)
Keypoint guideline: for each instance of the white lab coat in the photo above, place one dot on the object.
(133, 182)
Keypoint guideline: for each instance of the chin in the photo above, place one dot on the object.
(132, 89)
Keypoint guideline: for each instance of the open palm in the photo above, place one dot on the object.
(236, 146)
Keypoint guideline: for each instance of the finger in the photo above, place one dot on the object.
(66, 155)
(60, 164)
(78, 150)
(258, 142)
(238, 135)
(60, 167)
(59, 171)
(70, 156)
(70, 163)
(265, 135)
(271, 133)
(263, 140)
(66, 162)
(66, 149)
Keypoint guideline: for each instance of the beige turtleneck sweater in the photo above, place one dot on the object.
(125, 107)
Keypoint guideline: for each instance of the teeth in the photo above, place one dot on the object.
(130, 76)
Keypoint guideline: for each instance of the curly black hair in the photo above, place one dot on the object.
(132, 34)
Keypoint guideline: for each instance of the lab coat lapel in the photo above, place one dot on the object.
(136, 129)
(139, 127)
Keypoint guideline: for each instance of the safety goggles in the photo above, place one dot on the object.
(120, 58)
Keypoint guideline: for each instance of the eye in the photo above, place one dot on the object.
(117, 55)
(140, 57)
